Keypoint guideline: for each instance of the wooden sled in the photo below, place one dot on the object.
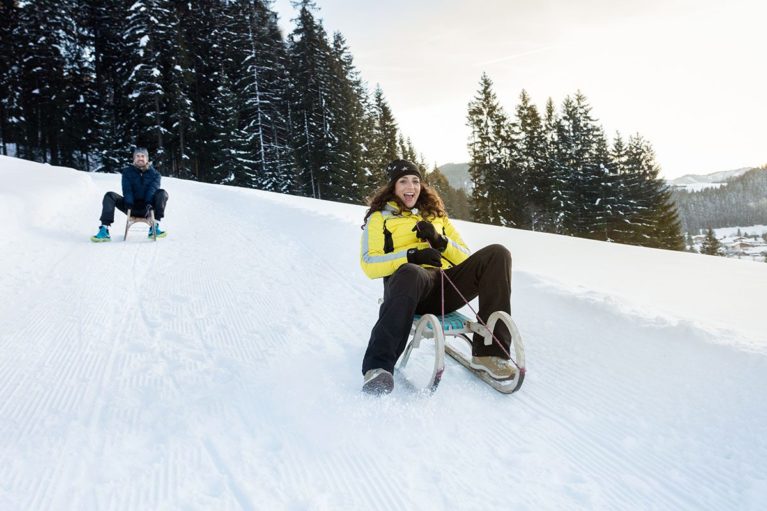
(148, 219)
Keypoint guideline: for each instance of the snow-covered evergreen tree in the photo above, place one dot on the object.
(104, 21)
(309, 65)
(257, 68)
(532, 158)
(148, 35)
(653, 216)
(383, 144)
(45, 39)
(229, 143)
(10, 80)
(204, 29)
(578, 140)
(557, 173)
(348, 119)
(488, 145)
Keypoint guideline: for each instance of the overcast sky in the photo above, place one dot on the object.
(689, 75)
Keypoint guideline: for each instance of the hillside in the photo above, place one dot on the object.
(741, 202)
(219, 368)
(457, 175)
(708, 179)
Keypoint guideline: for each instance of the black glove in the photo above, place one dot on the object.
(430, 256)
(425, 231)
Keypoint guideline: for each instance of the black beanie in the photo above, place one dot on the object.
(399, 168)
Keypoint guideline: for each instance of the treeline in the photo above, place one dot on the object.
(218, 95)
(741, 202)
(211, 87)
(556, 172)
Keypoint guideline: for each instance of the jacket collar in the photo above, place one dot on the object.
(394, 209)
(144, 170)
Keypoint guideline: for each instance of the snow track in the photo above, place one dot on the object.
(219, 369)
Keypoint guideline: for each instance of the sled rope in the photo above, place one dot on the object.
(499, 343)
(442, 323)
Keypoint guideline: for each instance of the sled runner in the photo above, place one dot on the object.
(148, 219)
(456, 342)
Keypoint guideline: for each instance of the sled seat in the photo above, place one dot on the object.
(455, 323)
(132, 220)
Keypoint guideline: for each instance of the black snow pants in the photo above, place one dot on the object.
(114, 200)
(413, 289)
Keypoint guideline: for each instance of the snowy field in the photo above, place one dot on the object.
(722, 232)
(219, 368)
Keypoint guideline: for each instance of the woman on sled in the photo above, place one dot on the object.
(407, 237)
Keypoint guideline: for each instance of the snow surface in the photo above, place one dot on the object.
(219, 368)
(721, 232)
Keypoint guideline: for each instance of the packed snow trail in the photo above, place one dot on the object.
(219, 368)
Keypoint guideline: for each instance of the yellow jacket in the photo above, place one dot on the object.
(376, 262)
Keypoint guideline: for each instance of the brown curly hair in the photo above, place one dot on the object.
(429, 202)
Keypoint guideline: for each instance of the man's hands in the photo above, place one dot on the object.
(425, 230)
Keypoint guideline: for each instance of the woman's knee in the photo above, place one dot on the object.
(499, 251)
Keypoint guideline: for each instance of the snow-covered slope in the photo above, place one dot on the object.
(219, 368)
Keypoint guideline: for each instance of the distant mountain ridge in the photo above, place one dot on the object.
(715, 177)
(457, 175)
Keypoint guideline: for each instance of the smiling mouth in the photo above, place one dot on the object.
(409, 196)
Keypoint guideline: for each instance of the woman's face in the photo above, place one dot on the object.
(407, 188)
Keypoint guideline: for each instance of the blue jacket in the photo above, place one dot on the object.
(139, 187)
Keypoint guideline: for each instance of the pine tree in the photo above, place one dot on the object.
(603, 189)
(653, 216)
(147, 34)
(711, 245)
(578, 144)
(557, 174)
(348, 120)
(229, 144)
(80, 137)
(309, 58)
(533, 162)
(488, 145)
(618, 223)
(209, 51)
(45, 37)
(178, 80)
(10, 83)
(257, 66)
(104, 22)
(384, 145)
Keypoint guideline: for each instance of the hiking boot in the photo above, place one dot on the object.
(102, 235)
(497, 367)
(378, 382)
(160, 232)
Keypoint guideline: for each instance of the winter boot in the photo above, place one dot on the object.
(378, 382)
(102, 235)
(160, 232)
(497, 367)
